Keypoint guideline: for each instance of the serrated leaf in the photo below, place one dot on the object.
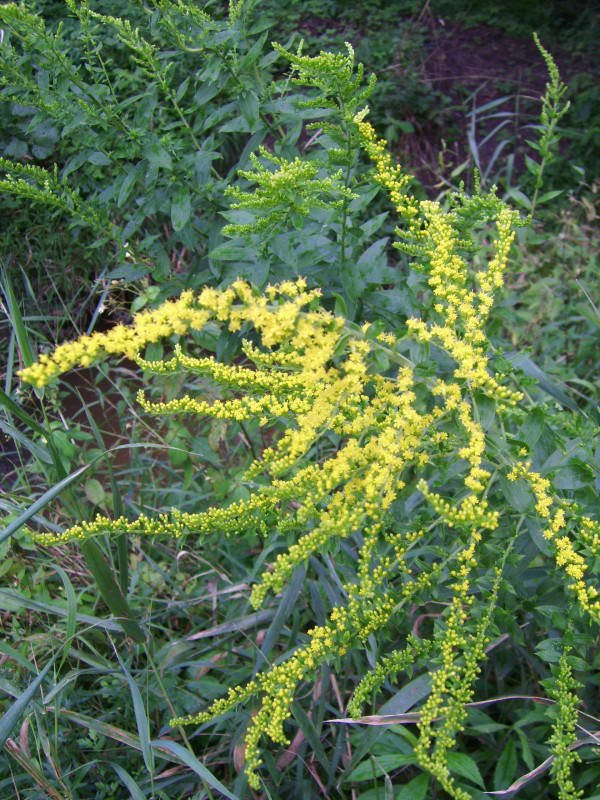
(549, 650)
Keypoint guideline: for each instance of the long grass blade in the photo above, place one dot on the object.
(539, 770)
(122, 541)
(110, 590)
(134, 789)
(184, 756)
(11, 600)
(17, 320)
(141, 718)
(16, 709)
(71, 624)
(33, 770)
(41, 502)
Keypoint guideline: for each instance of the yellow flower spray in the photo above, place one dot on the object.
(319, 375)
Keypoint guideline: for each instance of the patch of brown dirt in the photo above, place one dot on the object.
(474, 66)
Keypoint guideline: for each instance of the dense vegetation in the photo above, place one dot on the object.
(302, 495)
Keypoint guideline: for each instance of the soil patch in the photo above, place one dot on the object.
(475, 66)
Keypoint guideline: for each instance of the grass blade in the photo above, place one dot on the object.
(134, 790)
(141, 718)
(13, 654)
(184, 756)
(103, 728)
(122, 539)
(241, 624)
(11, 600)
(540, 769)
(71, 611)
(110, 590)
(41, 502)
(17, 320)
(33, 770)
(35, 449)
(284, 609)
(311, 734)
(15, 711)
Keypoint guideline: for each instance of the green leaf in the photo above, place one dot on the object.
(249, 107)
(134, 790)
(310, 732)
(181, 208)
(547, 196)
(464, 766)
(127, 186)
(376, 766)
(13, 654)
(410, 694)
(184, 756)
(71, 605)
(157, 156)
(11, 600)
(284, 609)
(110, 590)
(228, 251)
(15, 711)
(522, 361)
(41, 502)
(532, 427)
(99, 159)
(14, 313)
(520, 198)
(549, 650)
(141, 719)
(416, 789)
(506, 766)
(372, 225)
(517, 494)
(34, 448)
(127, 272)
(94, 491)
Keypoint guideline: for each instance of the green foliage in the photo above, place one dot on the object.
(137, 116)
(328, 487)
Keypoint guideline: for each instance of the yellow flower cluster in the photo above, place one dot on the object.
(175, 317)
(567, 558)
(472, 511)
(433, 236)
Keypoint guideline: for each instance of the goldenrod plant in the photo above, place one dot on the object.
(431, 502)
(399, 453)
